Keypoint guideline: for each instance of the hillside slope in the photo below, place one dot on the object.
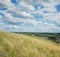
(20, 45)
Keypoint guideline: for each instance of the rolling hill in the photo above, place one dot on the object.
(21, 45)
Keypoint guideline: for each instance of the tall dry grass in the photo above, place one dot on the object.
(20, 45)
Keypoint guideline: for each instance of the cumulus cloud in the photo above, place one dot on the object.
(7, 3)
(25, 5)
(53, 16)
(30, 15)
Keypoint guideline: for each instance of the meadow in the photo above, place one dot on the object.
(26, 45)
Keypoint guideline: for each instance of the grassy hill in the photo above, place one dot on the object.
(55, 37)
(21, 45)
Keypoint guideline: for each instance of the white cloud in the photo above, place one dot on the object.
(26, 14)
(53, 17)
(25, 5)
(22, 14)
(7, 3)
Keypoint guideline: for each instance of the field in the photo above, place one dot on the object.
(55, 37)
(27, 45)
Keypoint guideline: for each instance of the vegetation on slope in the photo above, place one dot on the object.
(20, 45)
(55, 37)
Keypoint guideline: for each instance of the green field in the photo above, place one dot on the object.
(23, 45)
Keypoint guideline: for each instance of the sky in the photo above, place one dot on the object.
(30, 15)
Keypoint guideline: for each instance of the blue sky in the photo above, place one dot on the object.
(30, 15)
